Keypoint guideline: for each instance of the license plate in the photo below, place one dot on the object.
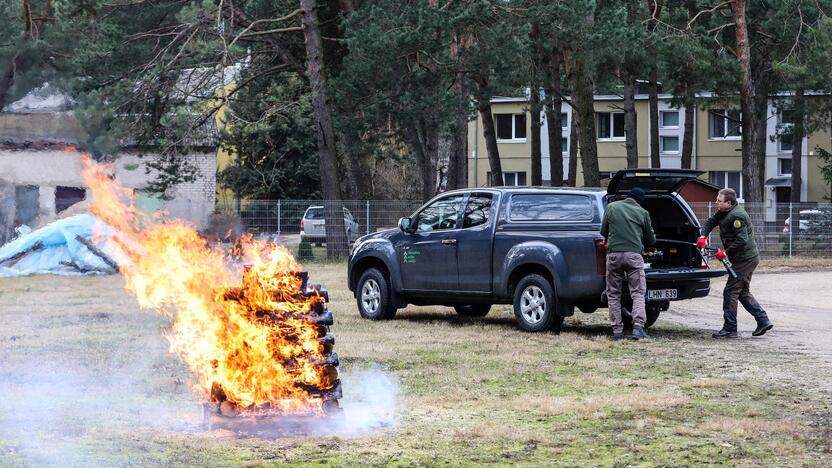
(662, 294)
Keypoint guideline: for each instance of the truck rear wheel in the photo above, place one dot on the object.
(652, 310)
(374, 298)
(472, 310)
(535, 305)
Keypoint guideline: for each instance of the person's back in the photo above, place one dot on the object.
(627, 227)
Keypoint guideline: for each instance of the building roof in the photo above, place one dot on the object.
(46, 130)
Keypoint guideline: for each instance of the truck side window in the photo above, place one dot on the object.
(477, 210)
(550, 207)
(439, 215)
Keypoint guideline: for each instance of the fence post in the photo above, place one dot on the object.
(368, 217)
(791, 220)
(706, 217)
(278, 218)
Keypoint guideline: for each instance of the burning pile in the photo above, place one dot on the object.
(298, 346)
(252, 331)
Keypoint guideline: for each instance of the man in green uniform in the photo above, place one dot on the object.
(627, 229)
(737, 237)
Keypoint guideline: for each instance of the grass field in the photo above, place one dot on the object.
(86, 379)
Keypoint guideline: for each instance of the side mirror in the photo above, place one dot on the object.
(404, 224)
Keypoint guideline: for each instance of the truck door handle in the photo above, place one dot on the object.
(449, 241)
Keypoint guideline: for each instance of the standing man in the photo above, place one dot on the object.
(627, 230)
(737, 237)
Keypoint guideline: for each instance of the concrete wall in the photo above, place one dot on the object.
(48, 169)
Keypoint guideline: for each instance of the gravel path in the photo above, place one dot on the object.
(799, 305)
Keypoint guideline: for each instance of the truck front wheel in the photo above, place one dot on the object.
(535, 305)
(374, 298)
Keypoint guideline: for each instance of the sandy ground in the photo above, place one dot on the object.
(799, 305)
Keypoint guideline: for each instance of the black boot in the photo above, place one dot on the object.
(639, 333)
(762, 328)
(725, 334)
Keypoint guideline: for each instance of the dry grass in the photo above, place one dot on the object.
(86, 379)
(794, 264)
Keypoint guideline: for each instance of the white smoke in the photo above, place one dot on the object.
(370, 401)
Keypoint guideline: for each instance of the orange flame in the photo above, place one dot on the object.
(249, 341)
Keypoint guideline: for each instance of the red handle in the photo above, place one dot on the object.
(721, 255)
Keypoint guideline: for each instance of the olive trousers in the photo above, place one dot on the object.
(627, 266)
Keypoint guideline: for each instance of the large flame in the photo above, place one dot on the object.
(219, 329)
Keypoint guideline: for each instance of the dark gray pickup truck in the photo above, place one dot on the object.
(537, 248)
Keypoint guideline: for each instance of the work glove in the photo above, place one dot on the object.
(604, 245)
(721, 255)
(702, 242)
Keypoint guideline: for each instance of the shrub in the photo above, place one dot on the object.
(305, 250)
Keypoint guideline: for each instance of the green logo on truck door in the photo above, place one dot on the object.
(409, 256)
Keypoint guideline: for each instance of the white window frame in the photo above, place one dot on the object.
(564, 120)
(661, 144)
(513, 138)
(661, 119)
(784, 126)
(612, 127)
(780, 167)
(516, 175)
(711, 115)
(564, 140)
(724, 183)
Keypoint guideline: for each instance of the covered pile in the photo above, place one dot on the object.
(70, 246)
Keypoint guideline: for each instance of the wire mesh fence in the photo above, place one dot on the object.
(305, 218)
(785, 229)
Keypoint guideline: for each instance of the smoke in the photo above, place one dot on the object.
(370, 402)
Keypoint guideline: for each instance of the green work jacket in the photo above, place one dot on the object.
(736, 233)
(626, 226)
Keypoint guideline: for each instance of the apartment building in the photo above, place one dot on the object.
(716, 146)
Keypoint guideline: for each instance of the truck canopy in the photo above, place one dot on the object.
(654, 180)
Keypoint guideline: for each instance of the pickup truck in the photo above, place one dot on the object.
(537, 248)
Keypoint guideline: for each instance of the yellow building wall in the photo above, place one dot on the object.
(709, 154)
(715, 155)
(225, 156)
(514, 157)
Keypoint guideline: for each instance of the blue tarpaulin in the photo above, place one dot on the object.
(56, 249)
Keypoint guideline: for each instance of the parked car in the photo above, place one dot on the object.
(808, 218)
(537, 248)
(313, 227)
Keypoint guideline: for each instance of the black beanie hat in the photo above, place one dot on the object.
(637, 193)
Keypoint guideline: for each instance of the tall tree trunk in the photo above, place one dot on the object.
(575, 128)
(424, 141)
(586, 109)
(687, 138)
(655, 151)
(19, 62)
(490, 135)
(760, 73)
(798, 131)
(630, 132)
(458, 162)
(553, 120)
(534, 104)
(751, 167)
(336, 245)
(360, 184)
(655, 10)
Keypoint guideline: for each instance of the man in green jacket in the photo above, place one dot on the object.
(627, 229)
(737, 237)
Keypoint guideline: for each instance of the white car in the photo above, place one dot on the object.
(313, 229)
(807, 217)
